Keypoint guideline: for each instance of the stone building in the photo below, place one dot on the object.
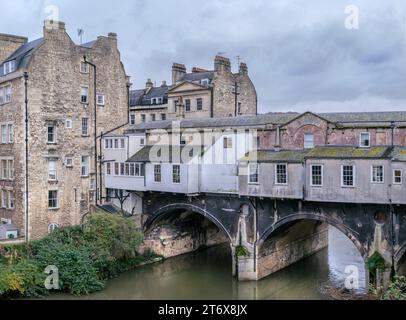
(201, 93)
(67, 110)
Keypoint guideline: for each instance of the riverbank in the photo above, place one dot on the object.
(78, 260)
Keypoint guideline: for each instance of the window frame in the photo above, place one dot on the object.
(103, 103)
(87, 95)
(86, 165)
(188, 104)
(52, 172)
(361, 141)
(83, 133)
(394, 176)
(312, 184)
(54, 140)
(199, 104)
(286, 174)
(177, 181)
(372, 174)
(53, 199)
(306, 141)
(353, 176)
(250, 174)
(157, 174)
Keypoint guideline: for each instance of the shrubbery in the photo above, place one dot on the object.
(85, 257)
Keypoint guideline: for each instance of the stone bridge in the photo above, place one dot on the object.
(266, 235)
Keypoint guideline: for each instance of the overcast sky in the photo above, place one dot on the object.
(299, 53)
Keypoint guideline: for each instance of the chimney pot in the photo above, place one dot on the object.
(112, 35)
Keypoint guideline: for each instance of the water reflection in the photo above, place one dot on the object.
(207, 275)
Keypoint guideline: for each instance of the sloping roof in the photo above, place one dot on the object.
(142, 97)
(198, 76)
(88, 44)
(9, 227)
(364, 116)
(399, 154)
(167, 154)
(241, 121)
(349, 152)
(276, 156)
(338, 152)
(22, 55)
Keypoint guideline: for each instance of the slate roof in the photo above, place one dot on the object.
(9, 227)
(22, 55)
(148, 154)
(364, 116)
(88, 44)
(242, 121)
(198, 76)
(276, 156)
(143, 98)
(335, 152)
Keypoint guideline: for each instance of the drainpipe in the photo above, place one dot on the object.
(26, 155)
(95, 119)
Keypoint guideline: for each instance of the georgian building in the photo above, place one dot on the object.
(199, 94)
(67, 110)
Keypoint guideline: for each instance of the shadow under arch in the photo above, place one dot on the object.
(400, 254)
(307, 216)
(161, 212)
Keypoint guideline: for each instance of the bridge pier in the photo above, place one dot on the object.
(285, 248)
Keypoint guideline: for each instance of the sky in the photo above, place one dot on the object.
(302, 55)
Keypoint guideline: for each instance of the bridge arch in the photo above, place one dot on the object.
(315, 217)
(170, 208)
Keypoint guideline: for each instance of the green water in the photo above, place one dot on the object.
(206, 274)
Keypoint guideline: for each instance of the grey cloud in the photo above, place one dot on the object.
(299, 54)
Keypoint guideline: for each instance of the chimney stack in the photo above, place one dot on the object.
(164, 84)
(10, 43)
(178, 71)
(222, 64)
(53, 27)
(198, 70)
(243, 68)
(149, 85)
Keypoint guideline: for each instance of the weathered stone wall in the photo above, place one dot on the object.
(169, 240)
(280, 251)
(9, 44)
(54, 95)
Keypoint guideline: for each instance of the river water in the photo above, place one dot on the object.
(206, 274)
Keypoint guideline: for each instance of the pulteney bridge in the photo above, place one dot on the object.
(268, 234)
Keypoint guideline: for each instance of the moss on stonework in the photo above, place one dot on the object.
(376, 263)
(241, 251)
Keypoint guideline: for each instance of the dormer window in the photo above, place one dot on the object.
(9, 67)
(158, 100)
(204, 82)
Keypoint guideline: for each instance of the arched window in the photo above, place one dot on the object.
(52, 227)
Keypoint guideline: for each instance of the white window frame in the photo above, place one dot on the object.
(68, 124)
(82, 95)
(157, 165)
(86, 70)
(4, 134)
(11, 172)
(57, 200)
(69, 162)
(52, 227)
(51, 125)
(84, 165)
(4, 169)
(250, 173)
(276, 174)
(311, 175)
(103, 99)
(353, 176)
(10, 199)
(10, 128)
(372, 174)
(108, 168)
(173, 173)
(401, 176)
(9, 67)
(4, 202)
(85, 129)
(307, 141)
(52, 170)
(361, 141)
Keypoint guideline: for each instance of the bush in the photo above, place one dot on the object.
(22, 279)
(397, 289)
(85, 257)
